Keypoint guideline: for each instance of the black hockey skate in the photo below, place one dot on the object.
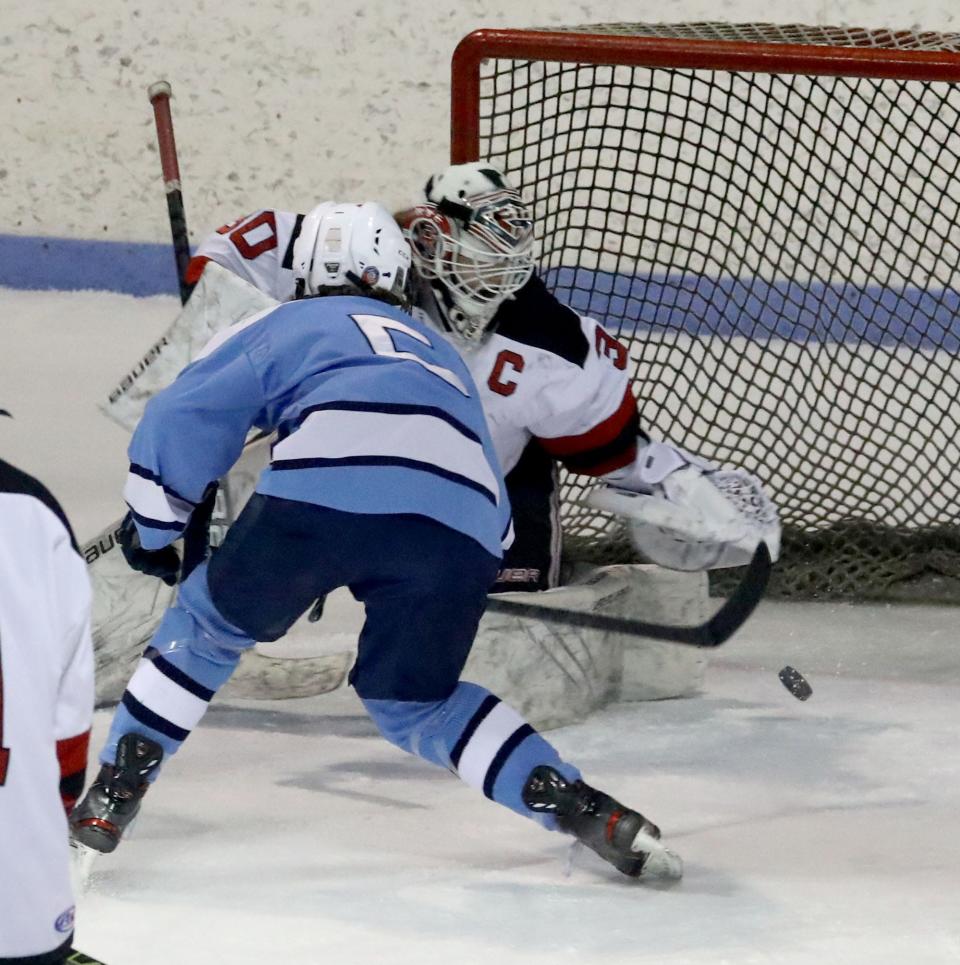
(113, 800)
(623, 837)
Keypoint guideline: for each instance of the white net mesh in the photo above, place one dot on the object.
(780, 252)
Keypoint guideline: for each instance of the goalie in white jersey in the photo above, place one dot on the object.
(46, 707)
(554, 384)
(383, 479)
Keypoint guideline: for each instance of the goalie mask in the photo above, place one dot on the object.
(473, 241)
(347, 248)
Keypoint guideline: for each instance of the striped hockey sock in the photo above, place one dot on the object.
(161, 702)
(474, 733)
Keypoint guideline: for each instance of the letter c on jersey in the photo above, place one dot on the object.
(496, 383)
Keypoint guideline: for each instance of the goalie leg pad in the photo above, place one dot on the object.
(220, 299)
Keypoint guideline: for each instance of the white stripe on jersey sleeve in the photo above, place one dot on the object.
(485, 743)
(148, 498)
(339, 434)
(166, 698)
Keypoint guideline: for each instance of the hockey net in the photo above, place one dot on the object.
(768, 217)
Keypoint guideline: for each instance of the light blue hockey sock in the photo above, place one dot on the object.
(192, 654)
(476, 735)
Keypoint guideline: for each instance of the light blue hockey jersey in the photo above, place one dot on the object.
(374, 413)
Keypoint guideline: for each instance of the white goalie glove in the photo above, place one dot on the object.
(685, 513)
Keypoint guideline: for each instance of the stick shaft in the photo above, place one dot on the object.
(159, 94)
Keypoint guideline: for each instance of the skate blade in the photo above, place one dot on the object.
(661, 862)
(82, 860)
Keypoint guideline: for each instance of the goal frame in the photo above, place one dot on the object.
(613, 50)
(831, 553)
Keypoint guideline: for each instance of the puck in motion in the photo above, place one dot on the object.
(795, 682)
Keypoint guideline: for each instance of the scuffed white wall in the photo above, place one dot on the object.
(279, 102)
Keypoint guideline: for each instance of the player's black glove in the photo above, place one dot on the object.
(163, 563)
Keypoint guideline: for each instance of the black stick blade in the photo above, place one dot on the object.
(742, 602)
(722, 625)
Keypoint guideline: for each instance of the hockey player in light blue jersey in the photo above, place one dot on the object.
(383, 479)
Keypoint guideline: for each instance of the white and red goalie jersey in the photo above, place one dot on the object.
(546, 373)
(46, 707)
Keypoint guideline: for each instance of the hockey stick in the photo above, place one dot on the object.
(159, 94)
(720, 627)
(196, 535)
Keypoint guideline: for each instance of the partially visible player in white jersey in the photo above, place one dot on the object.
(46, 707)
(554, 384)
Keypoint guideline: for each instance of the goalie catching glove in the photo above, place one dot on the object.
(685, 513)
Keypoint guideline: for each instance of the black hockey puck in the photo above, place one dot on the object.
(795, 682)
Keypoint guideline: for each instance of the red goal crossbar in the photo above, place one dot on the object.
(820, 59)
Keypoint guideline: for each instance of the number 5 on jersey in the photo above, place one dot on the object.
(377, 331)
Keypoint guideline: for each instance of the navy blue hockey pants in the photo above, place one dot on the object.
(424, 587)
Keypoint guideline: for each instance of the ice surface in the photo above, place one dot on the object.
(820, 832)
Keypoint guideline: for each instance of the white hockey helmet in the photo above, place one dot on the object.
(350, 247)
(473, 241)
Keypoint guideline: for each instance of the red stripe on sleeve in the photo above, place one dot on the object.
(72, 753)
(623, 458)
(599, 436)
(195, 269)
(72, 756)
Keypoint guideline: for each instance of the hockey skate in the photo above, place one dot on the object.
(113, 800)
(620, 836)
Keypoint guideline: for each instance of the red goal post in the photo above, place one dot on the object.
(769, 217)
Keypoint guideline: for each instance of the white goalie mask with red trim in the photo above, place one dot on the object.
(473, 241)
